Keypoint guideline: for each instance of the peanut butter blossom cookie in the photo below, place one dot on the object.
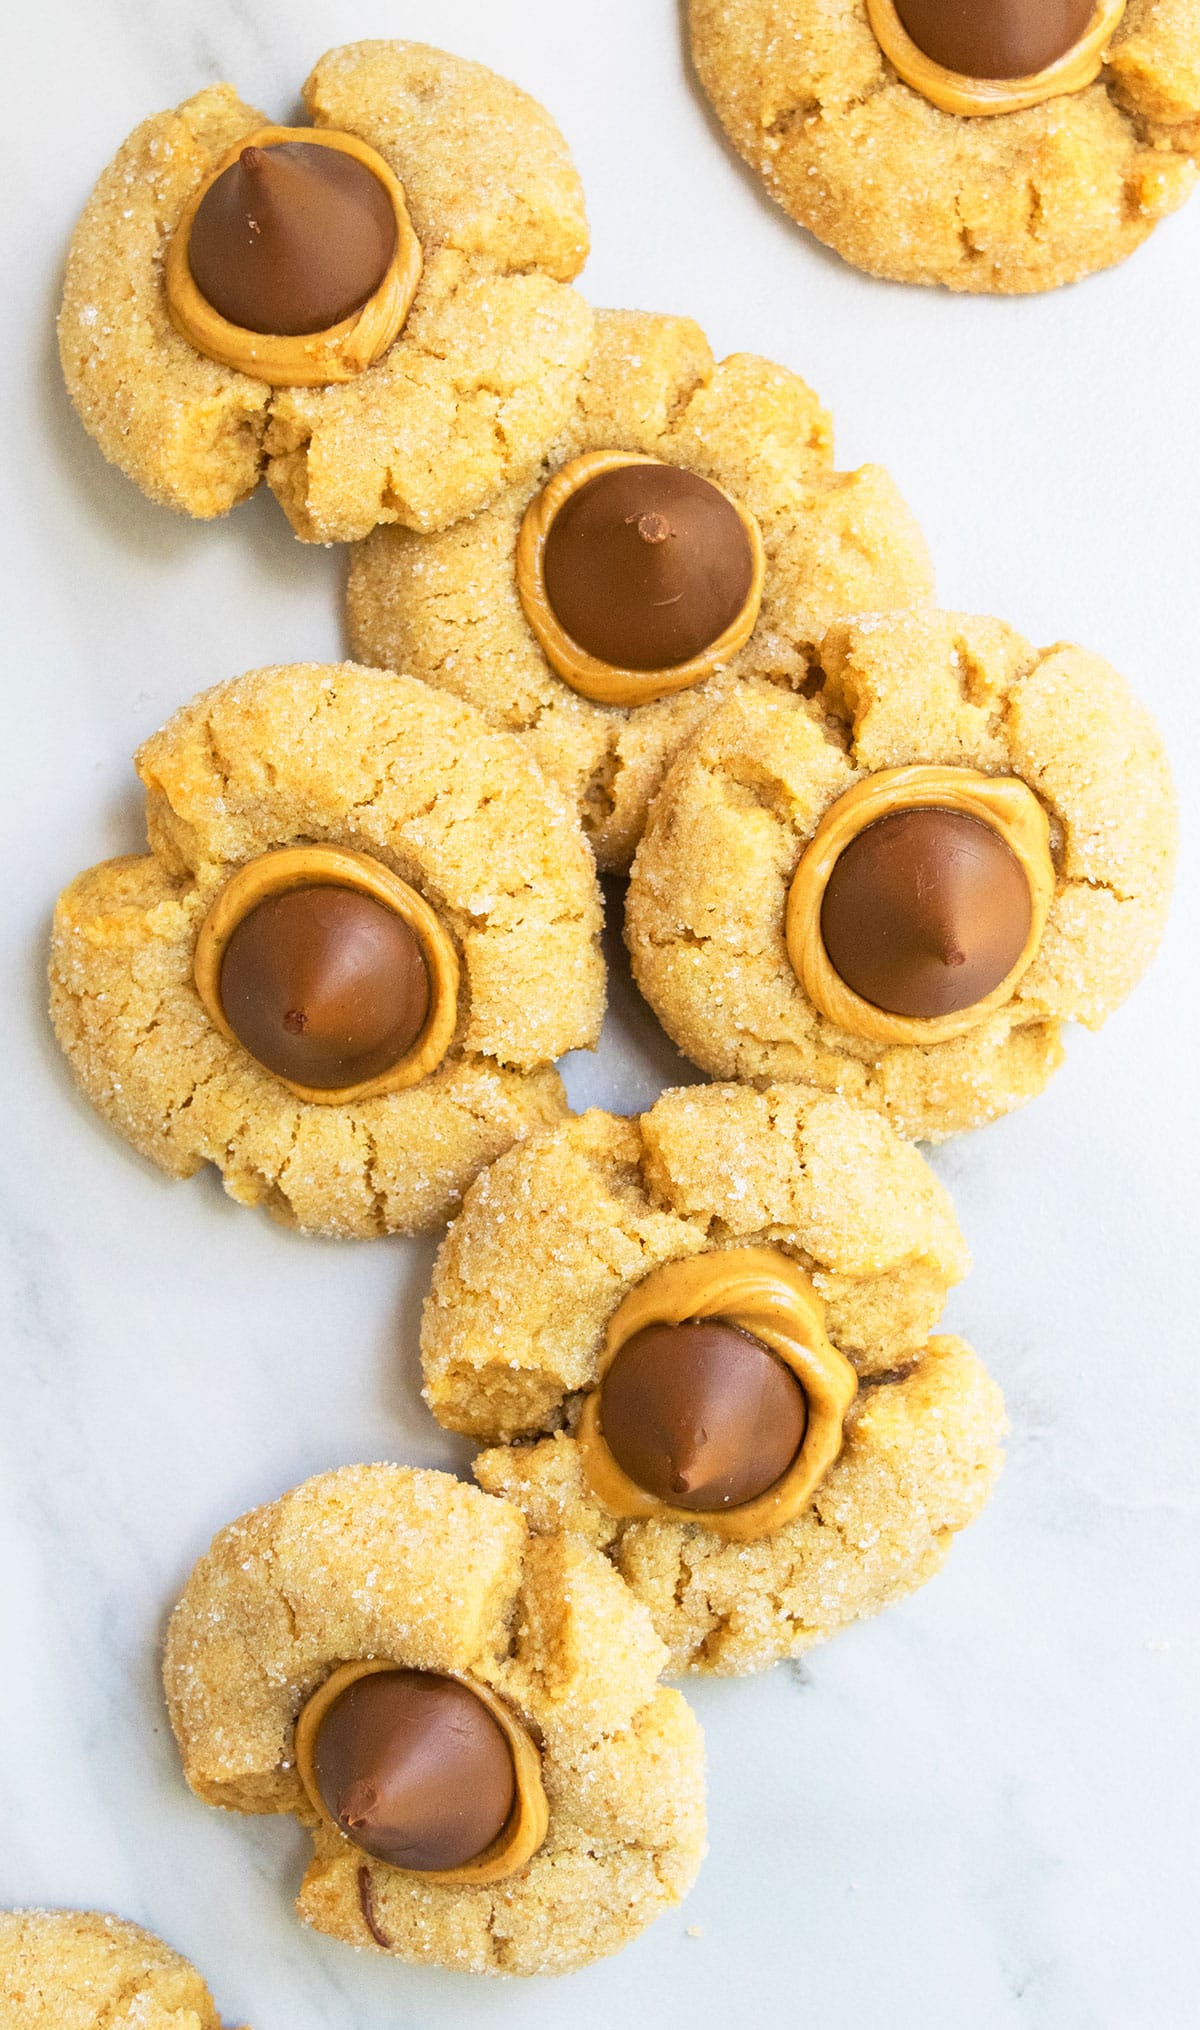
(993, 145)
(369, 311)
(467, 1718)
(82, 1970)
(700, 1340)
(365, 929)
(686, 529)
(904, 885)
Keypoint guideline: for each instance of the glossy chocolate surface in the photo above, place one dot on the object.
(646, 566)
(702, 1415)
(325, 986)
(926, 912)
(414, 1769)
(995, 38)
(291, 238)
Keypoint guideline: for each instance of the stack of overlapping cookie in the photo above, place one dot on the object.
(614, 610)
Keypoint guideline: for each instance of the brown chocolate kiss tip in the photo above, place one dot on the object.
(995, 38)
(926, 912)
(291, 238)
(702, 1415)
(414, 1769)
(325, 986)
(646, 566)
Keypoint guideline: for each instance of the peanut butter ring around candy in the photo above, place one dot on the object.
(1005, 805)
(766, 1295)
(306, 360)
(608, 683)
(525, 1828)
(289, 869)
(980, 98)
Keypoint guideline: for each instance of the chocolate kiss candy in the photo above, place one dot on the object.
(926, 912)
(646, 566)
(702, 1415)
(995, 38)
(414, 1769)
(325, 986)
(291, 238)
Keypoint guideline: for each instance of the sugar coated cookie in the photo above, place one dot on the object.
(702, 1338)
(686, 529)
(364, 931)
(1003, 146)
(903, 886)
(82, 1970)
(467, 1717)
(369, 311)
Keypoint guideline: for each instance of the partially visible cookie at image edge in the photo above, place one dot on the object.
(1072, 179)
(85, 1970)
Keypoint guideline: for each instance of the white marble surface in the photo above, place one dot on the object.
(978, 1812)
